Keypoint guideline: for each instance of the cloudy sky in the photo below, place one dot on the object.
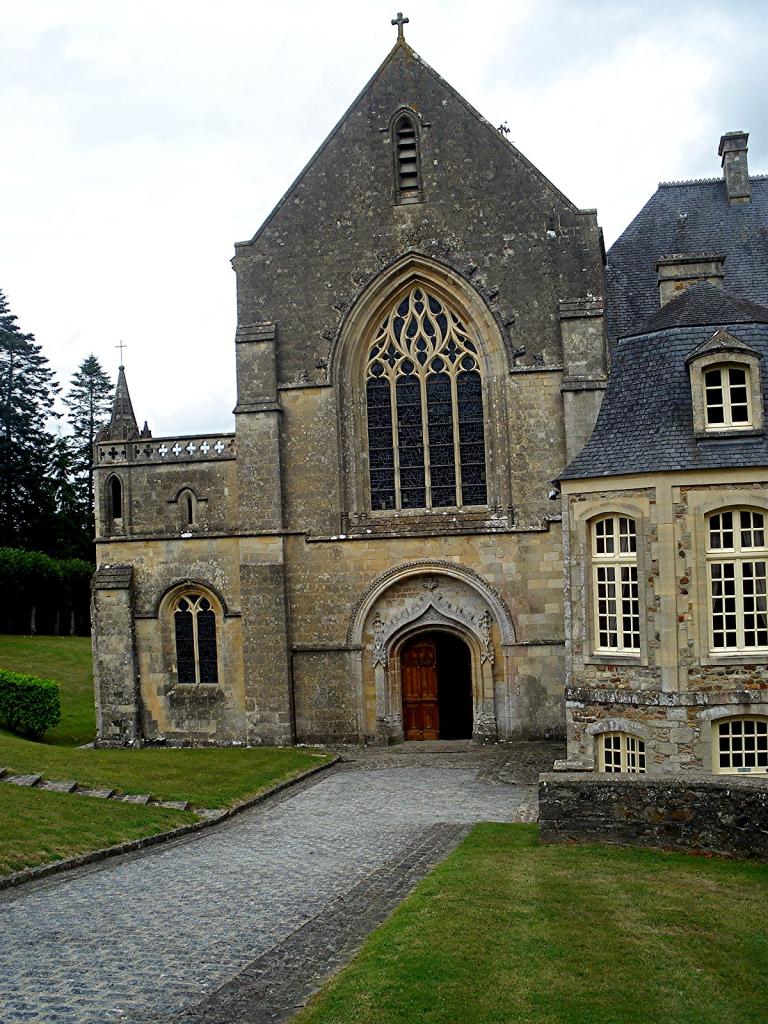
(142, 139)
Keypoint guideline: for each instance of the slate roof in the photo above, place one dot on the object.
(705, 304)
(645, 423)
(686, 217)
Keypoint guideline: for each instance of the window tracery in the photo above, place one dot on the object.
(194, 622)
(424, 403)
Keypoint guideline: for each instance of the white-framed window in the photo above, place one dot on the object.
(737, 558)
(727, 404)
(194, 622)
(740, 745)
(616, 599)
(620, 752)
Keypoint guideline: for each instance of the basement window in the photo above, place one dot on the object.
(740, 746)
(619, 752)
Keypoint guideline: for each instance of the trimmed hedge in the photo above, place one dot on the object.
(27, 704)
(40, 594)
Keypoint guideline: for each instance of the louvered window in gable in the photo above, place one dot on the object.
(406, 150)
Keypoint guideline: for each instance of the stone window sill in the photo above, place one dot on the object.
(622, 660)
(195, 691)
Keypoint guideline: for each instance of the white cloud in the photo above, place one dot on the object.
(142, 140)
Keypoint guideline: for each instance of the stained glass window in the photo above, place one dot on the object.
(195, 627)
(424, 401)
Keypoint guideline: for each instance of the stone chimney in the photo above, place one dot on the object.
(680, 270)
(733, 151)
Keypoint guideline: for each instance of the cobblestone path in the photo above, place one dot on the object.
(256, 910)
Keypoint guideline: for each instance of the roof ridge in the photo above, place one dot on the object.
(706, 181)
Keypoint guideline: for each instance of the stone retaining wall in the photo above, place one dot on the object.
(695, 812)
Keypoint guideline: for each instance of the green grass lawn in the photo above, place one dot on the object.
(507, 931)
(67, 659)
(206, 777)
(38, 827)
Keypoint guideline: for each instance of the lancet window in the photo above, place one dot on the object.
(114, 498)
(424, 400)
(195, 629)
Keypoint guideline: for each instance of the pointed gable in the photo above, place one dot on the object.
(449, 187)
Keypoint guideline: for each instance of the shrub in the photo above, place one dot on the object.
(27, 704)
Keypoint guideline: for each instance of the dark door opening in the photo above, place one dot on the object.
(436, 671)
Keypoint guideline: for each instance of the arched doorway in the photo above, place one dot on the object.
(436, 674)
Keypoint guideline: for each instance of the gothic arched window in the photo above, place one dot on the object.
(424, 401)
(114, 498)
(194, 623)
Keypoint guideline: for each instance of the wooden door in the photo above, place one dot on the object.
(419, 673)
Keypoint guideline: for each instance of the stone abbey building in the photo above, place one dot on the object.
(425, 328)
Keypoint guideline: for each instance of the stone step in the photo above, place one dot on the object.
(173, 805)
(98, 794)
(135, 798)
(23, 780)
(58, 786)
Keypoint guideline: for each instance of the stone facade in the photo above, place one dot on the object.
(317, 571)
(315, 591)
(671, 692)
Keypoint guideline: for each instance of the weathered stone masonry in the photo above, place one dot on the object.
(304, 576)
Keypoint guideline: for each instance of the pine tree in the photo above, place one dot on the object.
(89, 402)
(27, 393)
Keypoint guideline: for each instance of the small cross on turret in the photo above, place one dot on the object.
(121, 346)
(400, 21)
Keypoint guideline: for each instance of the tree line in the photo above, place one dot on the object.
(46, 479)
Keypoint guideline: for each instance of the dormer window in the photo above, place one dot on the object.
(405, 142)
(726, 391)
(726, 397)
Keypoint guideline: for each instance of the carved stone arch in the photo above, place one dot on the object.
(430, 567)
(427, 596)
(347, 371)
(188, 503)
(180, 586)
(372, 302)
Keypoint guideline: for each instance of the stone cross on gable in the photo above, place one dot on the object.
(121, 346)
(400, 21)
